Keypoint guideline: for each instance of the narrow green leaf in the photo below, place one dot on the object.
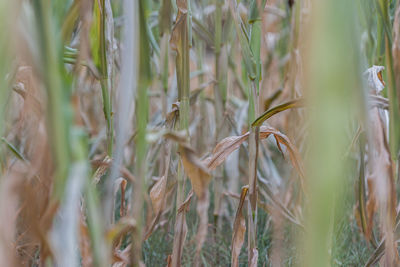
(297, 103)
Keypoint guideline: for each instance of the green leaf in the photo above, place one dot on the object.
(297, 103)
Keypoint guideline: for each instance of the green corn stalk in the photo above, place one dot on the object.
(255, 44)
(251, 57)
(144, 79)
(99, 53)
(220, 94)
(180, 43)
(8, 10)
(100, 249)
(69, 21)
(183, 78)
(56, 84)
(164, 26)
(394, 107)
(333, 83)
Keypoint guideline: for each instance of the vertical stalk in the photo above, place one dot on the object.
(165, 25)
(126, 98)
(141, 143)
(394, 107)
(255, 44)
(8, 11)
(183, 71)
(96, 227)
(219, 101)
(180, 43)
(387, 199)
(333, 82)
(58, 98)
(105, 82)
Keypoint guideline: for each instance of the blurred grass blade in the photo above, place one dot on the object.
(57, 90)
(248, 57)
(13, 149)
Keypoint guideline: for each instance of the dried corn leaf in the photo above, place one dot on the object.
(199, 177)
(202, 211)
(254, 259)
(157, 194)
(84, 244)
(224, 148)
(122, 227)
(196, 170)
(121, 258)
(119, 183)
(374, 79)
(239, 229)
(180, 232)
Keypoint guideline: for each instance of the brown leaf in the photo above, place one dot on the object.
(196, 171)
(381, 169)
(254, 258)
(101, 170)
(371, 208)
(180, 232)
(119, 229)
(178, 28)
(84, 243)
(119, 183)
(239, 229)
(224, 148)
(121, 257)
(202, 210)
(199, 177)
(157, 194)
(122, 210)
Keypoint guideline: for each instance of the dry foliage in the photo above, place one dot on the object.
(116, 115)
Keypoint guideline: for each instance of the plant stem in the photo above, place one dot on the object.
(141, 143)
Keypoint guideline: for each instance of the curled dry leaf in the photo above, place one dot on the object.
(119, 183)
(239, 229)
(157, 197)
(199, 177)
(371, 208)
(254, 259)
(196, 170)
(179, 137)
(121, 257)
(84, 243)
(374, 78)
(180, 232)
(101, 170)
(224, 148)
(176, 36)
(156, 194)
(202, 211)
(122, 227)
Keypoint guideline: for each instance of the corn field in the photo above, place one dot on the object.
(199, 133)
